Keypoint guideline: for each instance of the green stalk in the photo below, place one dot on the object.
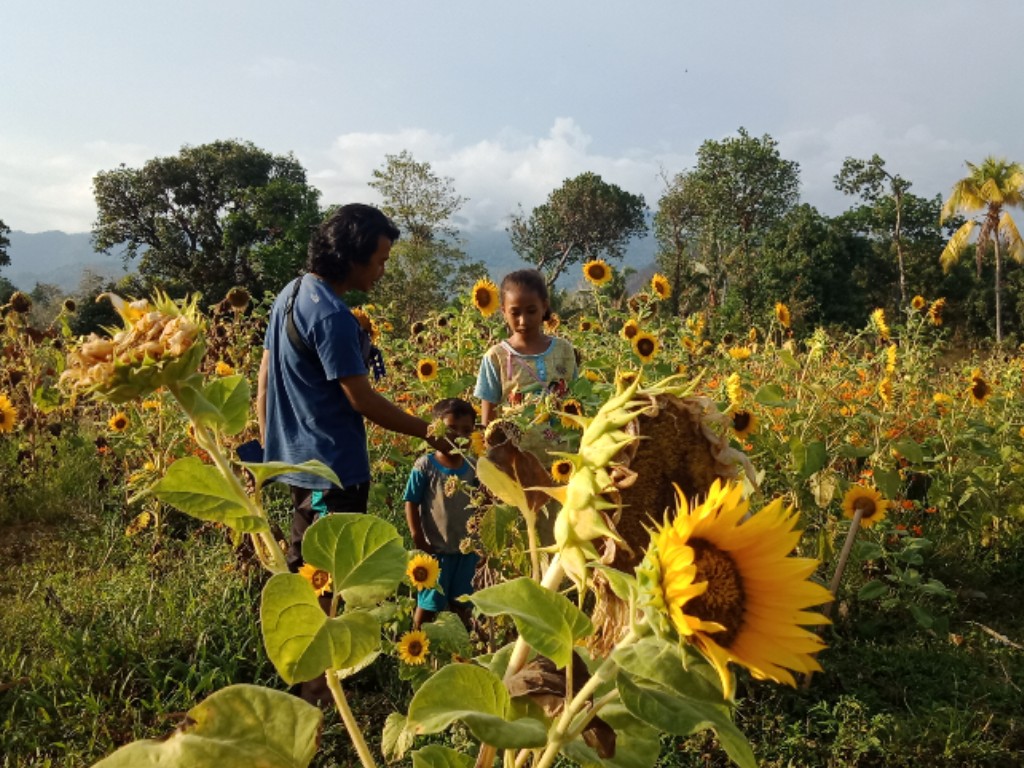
(354, 731)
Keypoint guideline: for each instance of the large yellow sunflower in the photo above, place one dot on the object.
(871, 503)
(597, 271)
(571, 407)
(630, 329)
(645, 346)
(485, 297)
(980, 389)
(919, 302)
(727, 585)
(423, 571)
(426, 369)
(743, 422)
(118, 422)
(413, 647)
(561, 470)
(661, 286)
(8, 414)
(320, 579)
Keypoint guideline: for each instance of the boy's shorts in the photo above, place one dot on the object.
(455, 580)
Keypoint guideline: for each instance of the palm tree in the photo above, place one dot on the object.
(991, 187)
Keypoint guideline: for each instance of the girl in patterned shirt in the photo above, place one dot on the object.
(528, 361)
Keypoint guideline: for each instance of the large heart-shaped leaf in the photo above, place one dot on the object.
(545, 619)
(364, 554)
(301, 640)
(478, 698)
(237, 727)
(200, 490)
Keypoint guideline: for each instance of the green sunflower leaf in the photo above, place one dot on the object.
(301, 640)
(669, 712)
(545, 619)
(236, 727)
(637, 745)
(478, 698)
(264, 471)
(200, 490)
(436, 756)
(364, 554)
(230, 396)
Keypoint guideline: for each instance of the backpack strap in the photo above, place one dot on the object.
(289, 324)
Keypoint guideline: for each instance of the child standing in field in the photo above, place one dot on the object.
(437, 511)
(528, 361)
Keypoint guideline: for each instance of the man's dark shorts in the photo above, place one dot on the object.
(310, 505)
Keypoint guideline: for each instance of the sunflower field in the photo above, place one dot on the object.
(822, 534)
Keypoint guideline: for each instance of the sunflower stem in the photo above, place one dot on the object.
(837, 577)
(354, 732)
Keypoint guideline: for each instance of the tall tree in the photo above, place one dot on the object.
(740, 188)
(883, 190)
(585, 218)
(210, 217)
(990, 188)
(428, 265)
(677, 226)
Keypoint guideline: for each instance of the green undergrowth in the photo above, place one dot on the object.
(105, 639)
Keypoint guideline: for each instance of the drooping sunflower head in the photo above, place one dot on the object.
(980, 390)
(423, 571)
(501, 431)
(485, 297)
(661, 287)
(413, 647)
(238, 298)
(645, 346)
(743, 422)
(935, 311)
(426, 369)
(782, 314)
(597, 272)
(734, 388)
(552, 323)
(20, 302)
(365, 322)
(869, 501)
(317, 577)
(918, 303)
(118, 422)
(8, 414)
(630, 329)
(161, 342)
(725, 582)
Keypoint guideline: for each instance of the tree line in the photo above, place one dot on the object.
(733, 237)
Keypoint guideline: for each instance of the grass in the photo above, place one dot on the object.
(105, 639)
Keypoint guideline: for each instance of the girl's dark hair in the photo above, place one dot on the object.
(350, 235)
(454, 406)
(531, 280)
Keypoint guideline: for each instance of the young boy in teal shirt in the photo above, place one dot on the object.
(437, 511)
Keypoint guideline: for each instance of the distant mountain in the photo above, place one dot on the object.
(57, 258)
(60, 258)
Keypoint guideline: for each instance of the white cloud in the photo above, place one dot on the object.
(45, 188)
(496, 174)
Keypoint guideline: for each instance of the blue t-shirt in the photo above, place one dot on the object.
(308, 415)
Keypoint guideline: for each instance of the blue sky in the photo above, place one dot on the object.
(508, 98)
